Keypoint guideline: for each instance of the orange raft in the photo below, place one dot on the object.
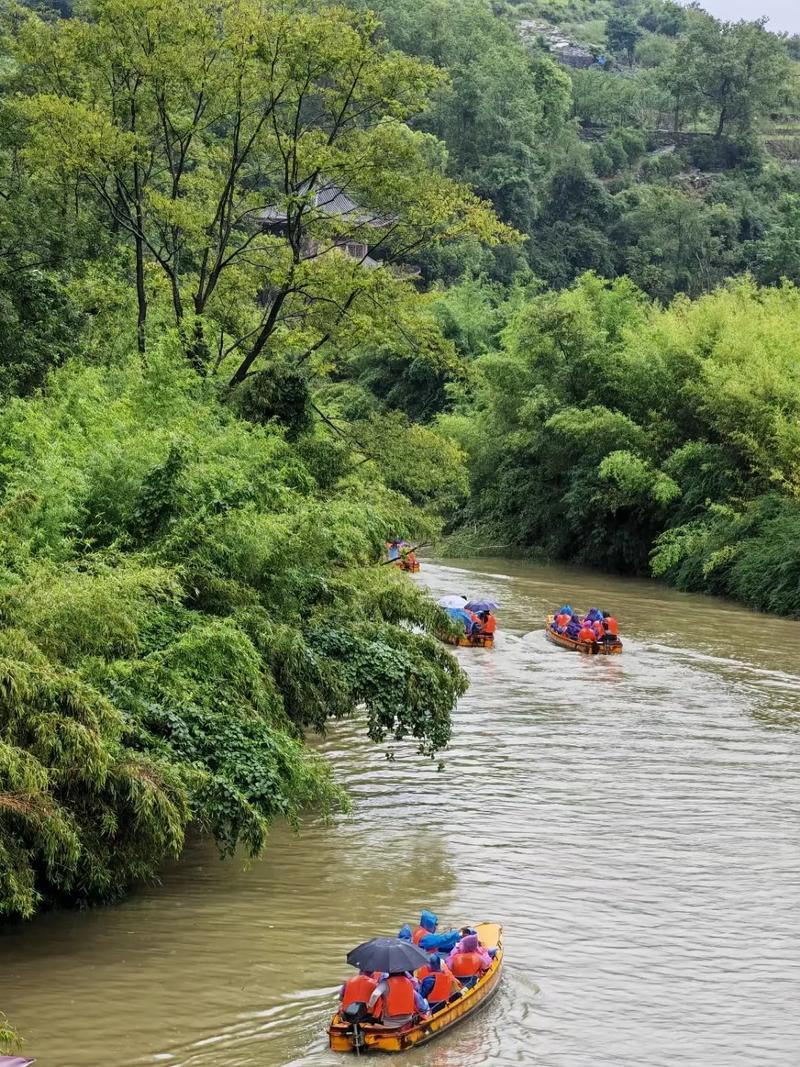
(371, 1037)
(595, 648)
(412, 566)
(473, 641)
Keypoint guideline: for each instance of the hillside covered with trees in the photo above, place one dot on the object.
(280, 281)
(631, 393)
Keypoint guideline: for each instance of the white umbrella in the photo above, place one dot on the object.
(451, 601)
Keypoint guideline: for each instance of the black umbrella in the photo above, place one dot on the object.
(388, 954)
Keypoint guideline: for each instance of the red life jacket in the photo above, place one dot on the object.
(400, 998)
(358, 990)
(442, 984)
(599, 631)
(418, 934)
(466, 964)
(490, 625)
(562, 620)
(611, 626)
(586, 634)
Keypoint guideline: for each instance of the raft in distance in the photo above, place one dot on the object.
(596, 648)
(376, 1038)
(412, 566)
(473, 641)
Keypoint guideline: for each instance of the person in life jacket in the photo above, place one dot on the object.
(395, 1001)
(488, 954)
(357, 990)
(587, 634)
(573, 627)
(611, 628)
(426, 936)
(593, 615)
(488, 623)
(470, 961)
(437, 982)
(599, 630)
(393, 549)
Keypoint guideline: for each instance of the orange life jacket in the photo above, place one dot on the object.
(599, 631)
(490, 625)
(400, 998)
(586, 634)
(418, 934)
(466, 964)
(358, 990)
(611, 626)
(442, 984)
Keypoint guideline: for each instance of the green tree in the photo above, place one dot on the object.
(777, 255)
(501, 107)
(622, 35)
(186, 123)
(734, 72)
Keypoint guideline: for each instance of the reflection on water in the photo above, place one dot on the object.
(632, 822)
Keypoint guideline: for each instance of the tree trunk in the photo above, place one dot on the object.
(723, 117)
(141, 292)
(261, 341)
(141, 296)
(177, 303)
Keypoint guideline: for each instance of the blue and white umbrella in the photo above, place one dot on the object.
(451, 601)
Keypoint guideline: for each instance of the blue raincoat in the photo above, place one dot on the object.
(459, 615)
(433, 942)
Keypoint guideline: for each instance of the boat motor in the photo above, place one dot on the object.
(355, 1014)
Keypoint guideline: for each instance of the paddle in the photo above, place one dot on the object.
(416, 548)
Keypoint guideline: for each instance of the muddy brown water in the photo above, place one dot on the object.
(633, 822)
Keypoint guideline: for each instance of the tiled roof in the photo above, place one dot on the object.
(330, 199)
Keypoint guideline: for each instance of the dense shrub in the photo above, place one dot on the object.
(181, 597)
(622, 429)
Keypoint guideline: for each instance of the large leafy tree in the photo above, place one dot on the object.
(733, 72)
(622, 34)
(184, 122)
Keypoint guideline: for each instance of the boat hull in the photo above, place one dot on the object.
(475, 641)
(404, 565)
(379, 1039)
(596, 648)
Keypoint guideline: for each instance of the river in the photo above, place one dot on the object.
(634, 823)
